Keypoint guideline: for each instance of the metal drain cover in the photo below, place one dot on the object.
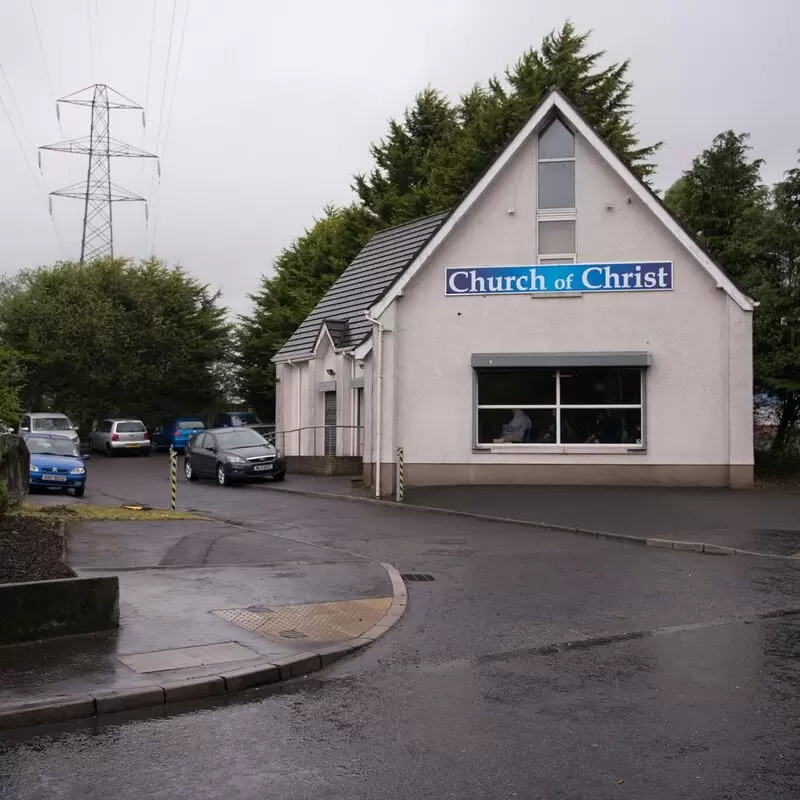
(321, 622)
(417, 576)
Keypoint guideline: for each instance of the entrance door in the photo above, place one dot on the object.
(330, 423)
(359, 422)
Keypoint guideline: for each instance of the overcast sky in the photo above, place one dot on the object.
(275, 104)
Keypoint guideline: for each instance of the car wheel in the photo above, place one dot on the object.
(109, 451)
(188, 471)
(154, 446)
(281, 476)
(222, 476)
(145, 451)
(80, 491)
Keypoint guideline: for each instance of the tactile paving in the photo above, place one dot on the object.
(320, 622)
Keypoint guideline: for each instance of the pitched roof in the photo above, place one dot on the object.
(343, 309)
(556, 102)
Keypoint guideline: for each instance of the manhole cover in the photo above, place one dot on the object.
(321, 622)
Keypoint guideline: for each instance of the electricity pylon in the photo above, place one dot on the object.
(99, 192)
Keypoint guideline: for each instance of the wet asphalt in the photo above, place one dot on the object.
(536, 664)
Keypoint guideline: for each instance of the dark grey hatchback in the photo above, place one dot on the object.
(232, 455)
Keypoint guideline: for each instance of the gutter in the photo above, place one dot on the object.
(378, 405)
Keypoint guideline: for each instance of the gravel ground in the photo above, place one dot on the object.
(31, 550)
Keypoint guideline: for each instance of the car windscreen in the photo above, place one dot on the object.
(189, 425)
(130, 427)
(51, 424)
(57, 446)
(231, 440)
(244, 418)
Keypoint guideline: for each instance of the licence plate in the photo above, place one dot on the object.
(132, 444)
(262, 467)
(57, 478)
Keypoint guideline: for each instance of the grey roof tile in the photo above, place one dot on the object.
(373, 271)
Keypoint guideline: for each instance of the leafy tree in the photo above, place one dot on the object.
(11, 380)
(113, 337)
(777, 339)
(754, 234)
(724, 203)
(303, 273)
(424, 164)
(427, 161)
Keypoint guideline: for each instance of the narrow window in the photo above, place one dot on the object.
(556, 167)
(556, 212)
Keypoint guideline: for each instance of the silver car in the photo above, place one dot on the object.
(48, 422)
(112, 436)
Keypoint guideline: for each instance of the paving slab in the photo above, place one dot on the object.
(169, 630)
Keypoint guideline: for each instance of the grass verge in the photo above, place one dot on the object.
(86, 511)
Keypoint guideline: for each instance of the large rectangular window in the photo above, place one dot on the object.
(576, 405)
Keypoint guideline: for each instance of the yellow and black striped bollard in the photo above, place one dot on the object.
(173, 474)
(400, 486)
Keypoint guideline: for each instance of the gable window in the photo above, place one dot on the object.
(560, 406)
(556, 238)
(556, 166)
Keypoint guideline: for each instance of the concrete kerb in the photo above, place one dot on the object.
(97, 704)
(648, 541)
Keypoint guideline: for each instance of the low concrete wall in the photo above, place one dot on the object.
(683, 475)
(323, 465)
(43, 609)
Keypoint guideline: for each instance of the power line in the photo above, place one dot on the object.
(144, 116)
(161, 111)
(33, 173)
(53, 94)
(91, 38)
(19, 110)
(172, 104)
(150, 58)
(166, 73)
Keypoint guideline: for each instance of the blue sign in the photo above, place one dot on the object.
(641, 276)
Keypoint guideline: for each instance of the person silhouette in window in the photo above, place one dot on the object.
(517, 429)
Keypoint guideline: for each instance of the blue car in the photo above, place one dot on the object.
(176, 432)
(56, 462)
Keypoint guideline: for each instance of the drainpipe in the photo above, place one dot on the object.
(378, 405)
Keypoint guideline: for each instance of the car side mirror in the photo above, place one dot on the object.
(86, 456)
(24, 430)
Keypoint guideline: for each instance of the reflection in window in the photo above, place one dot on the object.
(557, 184)
(583, 405)
(556, 141)
(556, 167)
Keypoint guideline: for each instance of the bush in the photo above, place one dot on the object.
(777, 464)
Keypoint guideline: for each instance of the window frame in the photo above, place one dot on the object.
(556, 214)
(558, 446)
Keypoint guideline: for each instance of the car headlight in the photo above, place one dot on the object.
(78, 471)
(34, 468)
(235, 460)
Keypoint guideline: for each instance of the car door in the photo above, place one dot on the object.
(200, 454)
(162, 434)
(97, 439)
